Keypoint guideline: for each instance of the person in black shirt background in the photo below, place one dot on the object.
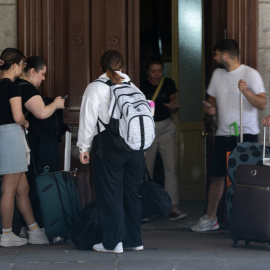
(41, 114)
(165, 141)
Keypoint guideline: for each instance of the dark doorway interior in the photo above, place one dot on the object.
(155, 31)
(155, 39)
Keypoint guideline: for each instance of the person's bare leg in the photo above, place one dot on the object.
(23, 201)
(216, 190)
(10, 183)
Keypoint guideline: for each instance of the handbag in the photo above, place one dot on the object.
(87, 230)
(156, 202)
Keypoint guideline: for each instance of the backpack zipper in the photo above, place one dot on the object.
(116, 100)
(142, 103)
(134, 117)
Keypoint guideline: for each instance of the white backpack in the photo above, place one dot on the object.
(131, 124)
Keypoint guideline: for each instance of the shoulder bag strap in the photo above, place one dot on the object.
(31, 155)
(158, 89)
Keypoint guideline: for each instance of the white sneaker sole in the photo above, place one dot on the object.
(139, 248)
(205, 229)
(108, 251)
(12, 244)
(182, 216)
(100, 248)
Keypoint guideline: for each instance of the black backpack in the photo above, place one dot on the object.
(87, 229)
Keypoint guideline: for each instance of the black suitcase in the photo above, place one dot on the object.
(251, 205)
(82, 183)
(59, 201)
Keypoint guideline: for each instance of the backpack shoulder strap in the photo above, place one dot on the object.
(126, 83)
(109, 82)
(23, 83)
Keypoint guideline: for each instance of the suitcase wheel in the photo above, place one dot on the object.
(50, 240)
(247, 243)
(235, 242)
(66, 239)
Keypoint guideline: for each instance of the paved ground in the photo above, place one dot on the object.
(168, 246)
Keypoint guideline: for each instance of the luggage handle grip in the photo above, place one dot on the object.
(266, 161)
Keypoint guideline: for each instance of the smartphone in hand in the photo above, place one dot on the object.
(206, 105)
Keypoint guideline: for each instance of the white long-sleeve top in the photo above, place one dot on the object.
(95, 104)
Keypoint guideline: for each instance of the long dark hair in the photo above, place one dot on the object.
(11, 56)
(110, 62)
(34, 62)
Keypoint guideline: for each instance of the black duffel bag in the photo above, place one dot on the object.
(87, 230)
(156, 202)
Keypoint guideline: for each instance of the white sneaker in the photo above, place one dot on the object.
(38, 238)
(205, 224)
(56, 239)
(177, 215)
(139, 248)
(99, 247)
(12, 240)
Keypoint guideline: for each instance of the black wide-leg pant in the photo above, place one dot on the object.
(117, 180)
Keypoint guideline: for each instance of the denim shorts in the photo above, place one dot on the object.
(12, 149)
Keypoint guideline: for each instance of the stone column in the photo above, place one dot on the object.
(8, 24)
(264, 53)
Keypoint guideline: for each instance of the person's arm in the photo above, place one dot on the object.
(36, 106)
(89, 113)
(16, 108)
(210, 105)
(174, 104)
(258, 101)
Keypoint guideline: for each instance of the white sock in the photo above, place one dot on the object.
(6, 232)
(33, 228)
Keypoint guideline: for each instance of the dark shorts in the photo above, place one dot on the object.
(222, 145)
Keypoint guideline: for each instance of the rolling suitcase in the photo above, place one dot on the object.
(251, 203)
(59, 201)
(251, 153)
(81, 179)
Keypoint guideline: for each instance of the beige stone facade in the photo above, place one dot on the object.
(264, 49)
(8, 24)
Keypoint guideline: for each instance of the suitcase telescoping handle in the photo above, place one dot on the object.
(241, 117)
(266, 161)
(235, 124)
(67, 160)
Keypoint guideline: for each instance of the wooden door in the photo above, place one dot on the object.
(71, 36)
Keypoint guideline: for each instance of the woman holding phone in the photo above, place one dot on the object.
(42, 136)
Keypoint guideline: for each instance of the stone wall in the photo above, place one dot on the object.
(264, 51)
(8, 24)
